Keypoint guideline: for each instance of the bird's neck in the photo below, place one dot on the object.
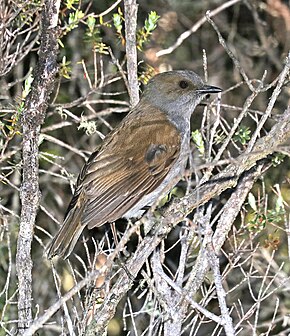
(178, 114)
(181, 122)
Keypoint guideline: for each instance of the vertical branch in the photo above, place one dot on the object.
(32, 118)
(131, 8)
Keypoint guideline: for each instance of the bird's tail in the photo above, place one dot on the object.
(67, 236)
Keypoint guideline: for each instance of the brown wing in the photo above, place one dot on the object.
(131, 163)
(113, 181)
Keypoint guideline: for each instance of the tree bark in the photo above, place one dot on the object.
(131, 50)
(32, 118)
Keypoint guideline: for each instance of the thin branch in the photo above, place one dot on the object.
(108, 10)
(131, 50)
(214, 264)
(59, 303)
(194, 28)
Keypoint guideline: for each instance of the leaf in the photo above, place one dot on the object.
(252, 201)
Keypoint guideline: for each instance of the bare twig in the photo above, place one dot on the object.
(108, 10)
(194, 28)
(281, 80)
(214, 264)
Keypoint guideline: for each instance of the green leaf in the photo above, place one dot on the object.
(198, 140)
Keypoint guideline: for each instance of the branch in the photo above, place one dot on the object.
(214, 264)
(38, 323)
(32, 118)
(131, 50)
(194, 28)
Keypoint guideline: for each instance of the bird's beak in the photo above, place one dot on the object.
(209, 89)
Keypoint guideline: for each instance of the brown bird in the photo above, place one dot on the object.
(137, 161)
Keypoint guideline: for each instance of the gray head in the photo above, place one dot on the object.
(177, 93)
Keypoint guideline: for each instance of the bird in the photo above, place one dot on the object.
(137, 162)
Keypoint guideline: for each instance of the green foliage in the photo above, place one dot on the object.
(198, 141)
(277, 159)
(146, 74)
(263, 217)
(175, 192)
(242, 135)
(74, 19)
(144, 33)
(118, 19)
(257, 224)
(27, 11)
(10, 127)
(70, 4)
(65, 68)
(93, 35)
(102, 48)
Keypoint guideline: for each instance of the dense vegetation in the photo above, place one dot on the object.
(233, 202)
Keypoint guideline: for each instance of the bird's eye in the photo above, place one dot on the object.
(183, 84)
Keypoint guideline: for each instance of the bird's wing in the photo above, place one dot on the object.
(113, 181)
